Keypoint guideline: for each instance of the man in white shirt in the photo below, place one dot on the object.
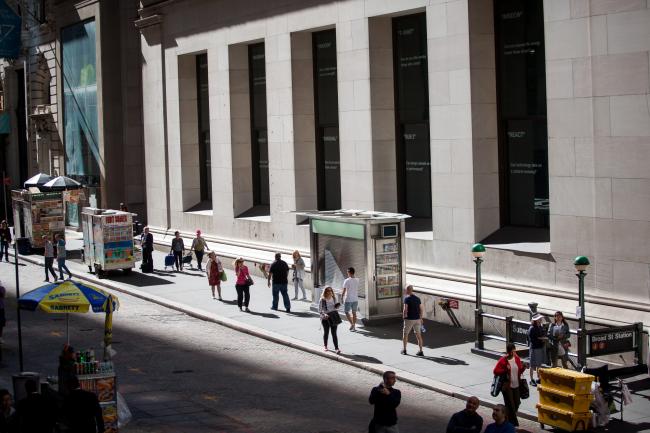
(350, 296)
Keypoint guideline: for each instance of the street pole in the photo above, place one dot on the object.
(478, 251)
(581, 263)
(4, 194)
(20, 331)
(581, 298)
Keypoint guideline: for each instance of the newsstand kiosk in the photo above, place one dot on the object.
(370, 242)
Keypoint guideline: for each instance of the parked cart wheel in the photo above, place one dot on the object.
(98, 271)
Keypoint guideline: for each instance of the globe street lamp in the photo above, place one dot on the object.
(581, 263)
(478, 251)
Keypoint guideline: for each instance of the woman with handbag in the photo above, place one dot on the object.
(558, 336)
(536, 346)
(214, 269)
(298, 275)
(512, 368)
(329, 317)
(242, 284)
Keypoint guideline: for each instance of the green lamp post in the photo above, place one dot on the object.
(581, 263)
(478, 251)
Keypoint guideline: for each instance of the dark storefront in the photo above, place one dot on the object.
(412, 116)
(328, 159)
(260, 146)
(521, 86)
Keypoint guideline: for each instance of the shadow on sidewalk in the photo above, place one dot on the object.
(138, 279)
(438, 335)
(265, 315)
(361, 358)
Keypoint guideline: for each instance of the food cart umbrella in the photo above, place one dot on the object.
(69, 297)
(62, 183)
(39, 180)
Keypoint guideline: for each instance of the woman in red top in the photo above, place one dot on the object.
(214, 270)
(512, 368)
(242, 284)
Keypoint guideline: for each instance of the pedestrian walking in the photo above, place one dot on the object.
(512, 368)
(7, 417)
(350, 296)
(536, 346)
(329, 317)
(3, 317)
(82, 411)
(501, 423)
(5, 240)
(412, 314)
(298, 267)
(178, 250)
(213, 271)
(242, 284)
(199, 245)
(467, 420)
(558, 337)
(385, 398)
(48, 254)
(35, 413)
(61, 256)
(279, 273)
(147, 250)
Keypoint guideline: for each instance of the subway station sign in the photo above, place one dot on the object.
(609, 341)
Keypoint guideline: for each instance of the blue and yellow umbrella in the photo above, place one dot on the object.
(71, 297)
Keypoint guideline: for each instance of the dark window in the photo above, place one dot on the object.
(328, 159)
(412, 115)
(39, 11)
(260, 147)
(521, 85)
(205, 176)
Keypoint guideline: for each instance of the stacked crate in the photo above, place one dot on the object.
(564, 399)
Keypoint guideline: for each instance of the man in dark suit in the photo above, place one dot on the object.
(82, 411)
(147, 248)
(35, 413)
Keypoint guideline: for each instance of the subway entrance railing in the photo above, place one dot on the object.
(599, 343)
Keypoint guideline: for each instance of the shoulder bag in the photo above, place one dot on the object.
(524, 391)
(497, 383)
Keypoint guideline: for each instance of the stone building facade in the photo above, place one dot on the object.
(521, 124)
(74, 98)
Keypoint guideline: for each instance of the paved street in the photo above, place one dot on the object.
(180, 374)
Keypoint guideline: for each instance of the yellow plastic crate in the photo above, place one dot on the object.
(564, 400)
(564, 419)
(564, 380)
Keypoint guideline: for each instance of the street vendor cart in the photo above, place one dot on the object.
(108, 240)
(66, 297)
(37, 214)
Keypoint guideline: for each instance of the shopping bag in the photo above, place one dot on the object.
(222, 276)
(123, 412)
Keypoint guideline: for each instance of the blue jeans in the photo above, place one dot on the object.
(62, 266)
(277, 289)
(4, 250)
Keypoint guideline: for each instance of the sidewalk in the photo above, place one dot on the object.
(448, 366)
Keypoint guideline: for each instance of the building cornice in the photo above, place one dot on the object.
(149, 21)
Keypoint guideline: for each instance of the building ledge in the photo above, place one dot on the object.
(520, 239)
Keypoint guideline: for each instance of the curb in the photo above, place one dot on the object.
(404, 376)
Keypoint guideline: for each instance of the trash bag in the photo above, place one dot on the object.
(123, 412)
(627, 396)
(600, 406)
